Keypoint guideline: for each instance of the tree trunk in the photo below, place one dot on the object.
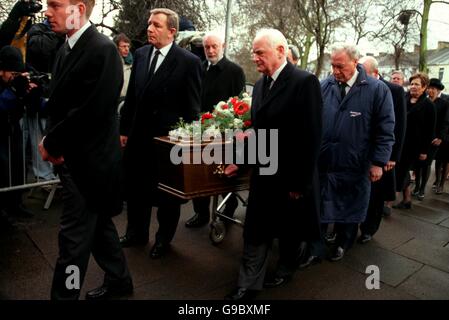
(423, 36)
(320, 60)
(307, 46)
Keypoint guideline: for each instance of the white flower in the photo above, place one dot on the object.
(238, 124)
(219, 105)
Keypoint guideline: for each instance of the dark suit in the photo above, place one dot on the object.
(151, 109)
(82, 128)
(220, 82)
(385, 189)
(292, 106)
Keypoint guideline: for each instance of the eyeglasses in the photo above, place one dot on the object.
(124, 46)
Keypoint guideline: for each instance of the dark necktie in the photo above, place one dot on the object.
(342, 86)
(153, 64)
(267, 84)
(64, 53)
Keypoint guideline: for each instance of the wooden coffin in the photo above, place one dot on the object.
(187, 180)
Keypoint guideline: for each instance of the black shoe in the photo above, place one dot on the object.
(420, 196)
(197, 221)
(330, 237)
(241, 294)
(338, 254)
(364, 238)
(275, 282)
(127, 241)
(311, 260)
(386, 212)
(403, 205)
(110, 291)
(159, 249)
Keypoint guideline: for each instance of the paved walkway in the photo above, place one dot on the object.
(411, 250)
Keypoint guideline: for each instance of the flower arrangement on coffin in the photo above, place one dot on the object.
(226, 117)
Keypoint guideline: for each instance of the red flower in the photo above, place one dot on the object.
(247, 123)
(224, 107)
(234, 102)
(241, 108)
(206, 116)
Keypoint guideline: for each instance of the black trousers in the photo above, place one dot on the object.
(375, 210)
(254, 262)
(346, 234)
(139, 207)
(84, 230)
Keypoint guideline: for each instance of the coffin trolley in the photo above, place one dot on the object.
(183, 173)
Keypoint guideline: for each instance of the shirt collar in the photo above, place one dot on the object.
(215, 64)
(164, 50)
(351, 81)
(276, 74)
(77, 35)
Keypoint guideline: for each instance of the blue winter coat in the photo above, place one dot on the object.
(358, 131)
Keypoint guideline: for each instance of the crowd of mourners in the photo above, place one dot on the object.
(349, 145)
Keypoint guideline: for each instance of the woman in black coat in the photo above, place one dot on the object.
(442, 132)
(421, 119)
(423, 168)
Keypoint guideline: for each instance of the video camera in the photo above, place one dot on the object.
(24, 8)
(32, 6)
(21, 83)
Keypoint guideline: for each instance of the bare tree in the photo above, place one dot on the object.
(397, 26)
(358, 17)
(320, 18)
(5, 8)
(133, 14)
(423, 33)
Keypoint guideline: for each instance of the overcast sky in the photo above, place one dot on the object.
(438, 26)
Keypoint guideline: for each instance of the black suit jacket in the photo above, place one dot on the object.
(222, 81)
(82, 124)
(153, 107)
(293, 106)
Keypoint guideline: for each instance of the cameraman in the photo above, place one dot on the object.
(15, 92)
(22, 9)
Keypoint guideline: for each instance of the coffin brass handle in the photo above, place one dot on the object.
(219, 170)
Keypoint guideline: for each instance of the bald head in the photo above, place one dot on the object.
(370, 65)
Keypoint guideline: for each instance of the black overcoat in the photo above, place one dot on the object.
(82, 123)
(293, 106)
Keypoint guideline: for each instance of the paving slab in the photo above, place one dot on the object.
(426, 213)
(445, 223)
(394, 268)
(426, 253)
(405, 225)
(428, 283)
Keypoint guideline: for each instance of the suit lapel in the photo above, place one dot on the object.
(277, 88)
(164, 71)
(74, 55)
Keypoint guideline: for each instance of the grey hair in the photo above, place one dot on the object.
(371, 63)
(295, 51)
(214, 34)
(350, 49)
(275, 38)
(399, 72)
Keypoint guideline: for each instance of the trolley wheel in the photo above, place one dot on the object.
(217, 232)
